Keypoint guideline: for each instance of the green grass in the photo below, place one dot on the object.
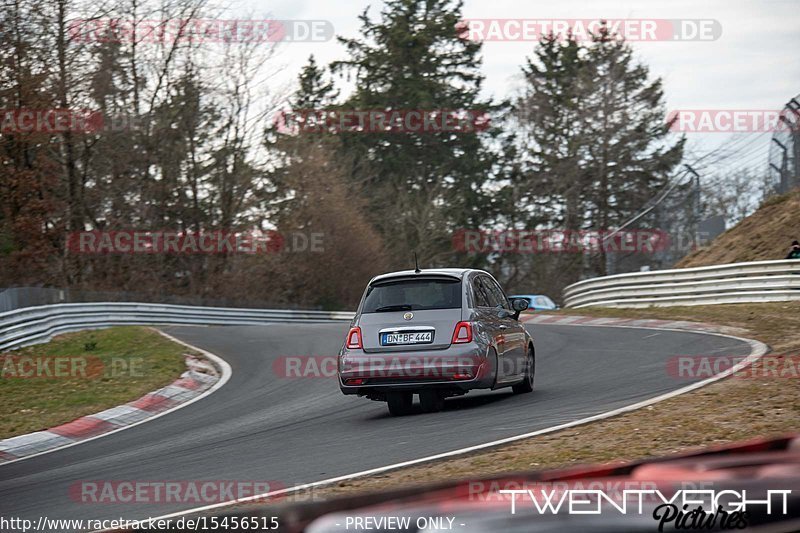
(105, 368)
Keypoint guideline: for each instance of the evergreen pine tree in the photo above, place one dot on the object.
(421, 186)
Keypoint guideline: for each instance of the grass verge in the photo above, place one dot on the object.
(78, 374)
(728, 410)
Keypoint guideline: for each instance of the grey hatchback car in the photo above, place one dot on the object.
(436, 333)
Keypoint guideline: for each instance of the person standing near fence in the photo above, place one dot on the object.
(794, 252)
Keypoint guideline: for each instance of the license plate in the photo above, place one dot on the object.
(416, 337)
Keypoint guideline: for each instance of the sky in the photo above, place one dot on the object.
(754, 64)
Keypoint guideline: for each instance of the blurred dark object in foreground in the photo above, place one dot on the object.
(754, 466)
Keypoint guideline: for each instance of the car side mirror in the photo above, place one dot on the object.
(519, 304)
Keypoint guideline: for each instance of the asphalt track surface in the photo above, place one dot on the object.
(263, 427)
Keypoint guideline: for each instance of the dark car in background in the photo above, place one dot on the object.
(435, 333)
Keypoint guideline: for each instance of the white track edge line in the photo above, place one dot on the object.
(226, 375)
(757, 350)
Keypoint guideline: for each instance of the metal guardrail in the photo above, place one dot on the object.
(761, 281)
(758, 281)
(12, 298)
(33, 325)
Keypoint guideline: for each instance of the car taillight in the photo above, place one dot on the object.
(354, 338)
(463, 333)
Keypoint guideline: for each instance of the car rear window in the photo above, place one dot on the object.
(412, 295)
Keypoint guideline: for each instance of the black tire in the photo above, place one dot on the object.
(431, 401)
(399, 403)
(526, 385)
(496, 367)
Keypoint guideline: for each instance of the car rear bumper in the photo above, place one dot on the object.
(458, 368)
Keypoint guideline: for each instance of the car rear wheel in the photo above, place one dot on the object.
(399, 403)
(431, 401)
(526, 385)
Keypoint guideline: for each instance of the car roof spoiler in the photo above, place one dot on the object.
(422, 275)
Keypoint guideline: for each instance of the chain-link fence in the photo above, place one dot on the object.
(675, 213)
(784, 151)
(682, 212)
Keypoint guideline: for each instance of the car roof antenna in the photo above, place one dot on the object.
(416, 264)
